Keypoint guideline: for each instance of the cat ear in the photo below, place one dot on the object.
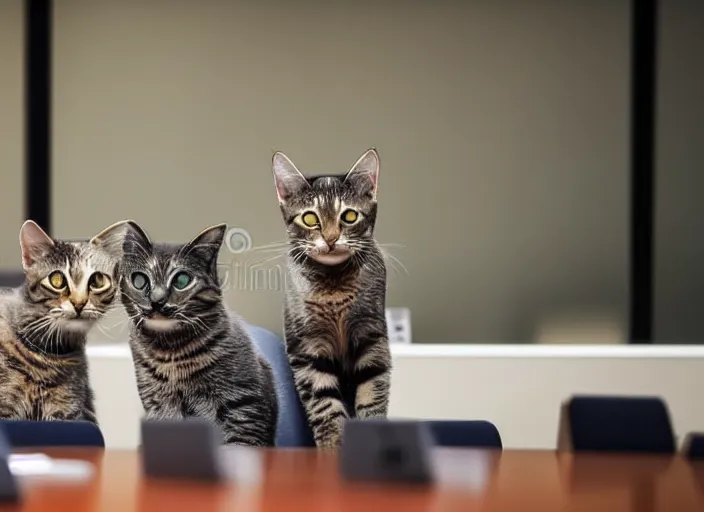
(364, 174)
(136, 242)
(208, 242)
(287, 178)
(35, 243)
(112, 238)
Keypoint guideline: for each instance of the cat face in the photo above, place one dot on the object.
(329, 219)
(69, 285)
(171, 288)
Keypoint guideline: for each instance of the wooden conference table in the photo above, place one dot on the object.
(308, 481)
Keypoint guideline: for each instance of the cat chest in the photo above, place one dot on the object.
(39, 401)
(331, 314)
(177, 402)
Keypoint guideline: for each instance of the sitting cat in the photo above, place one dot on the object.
(193, 358)
(334, 312)
(68, 287)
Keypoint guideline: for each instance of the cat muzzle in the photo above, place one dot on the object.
(331, 257)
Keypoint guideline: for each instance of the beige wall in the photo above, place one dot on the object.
(679, 257)
(502, 128)
(11, 132)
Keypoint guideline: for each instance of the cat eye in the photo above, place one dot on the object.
(181, 280)
(350, 216)
(57, 280)
(98, 282)
(139, 280)
(310, 219)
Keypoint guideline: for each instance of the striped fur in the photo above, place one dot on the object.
(192, 357)
(334, 312)
(43, 365)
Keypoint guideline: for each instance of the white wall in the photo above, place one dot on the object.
(519, 388)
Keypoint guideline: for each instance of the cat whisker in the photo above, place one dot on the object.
(193, 322)
(261, 262)
(201, 322)
(273, 250)
(56, 336)
(271, 246)
(297, 257)
(187, 322)
(395, 259)
(35, 323)
(38, 330)
(102, 330)
(134, 316)
(118, 324)
(35, 329)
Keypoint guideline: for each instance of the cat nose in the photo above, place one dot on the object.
(78, 306)
(158, 297)
(331, 241)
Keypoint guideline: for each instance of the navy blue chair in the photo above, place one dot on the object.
(26, 434)
(465, 434)
(620, 424)
(693, 447)
(292, 429)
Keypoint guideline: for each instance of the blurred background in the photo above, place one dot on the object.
(504, 130)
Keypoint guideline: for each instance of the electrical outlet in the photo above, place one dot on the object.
(398, 321)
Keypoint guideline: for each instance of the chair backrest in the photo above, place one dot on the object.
(292, 428)
(693, 447)
(465, 433)
(619, 424)
(23, 433)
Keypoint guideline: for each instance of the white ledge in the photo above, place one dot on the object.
(109, 350)
(549, 351)
(431, 350)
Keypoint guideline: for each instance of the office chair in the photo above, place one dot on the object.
(465, 434)
(25, 433)
(292, 429)
(693, 447)
(619, 424)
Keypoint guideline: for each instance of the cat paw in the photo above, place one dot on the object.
(331, 444)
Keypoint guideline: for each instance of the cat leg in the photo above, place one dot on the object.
(245, 419)
(319, 390)
(84, 415)
(372, 374)
(11, 412)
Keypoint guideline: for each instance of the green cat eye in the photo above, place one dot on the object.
(139, 280)
(181, 280)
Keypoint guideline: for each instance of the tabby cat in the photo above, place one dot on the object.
(334, 311)
(68, 287)
(193, 358)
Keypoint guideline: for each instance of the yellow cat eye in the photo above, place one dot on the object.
(310, 219)
(57, 280)
(350, 216)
